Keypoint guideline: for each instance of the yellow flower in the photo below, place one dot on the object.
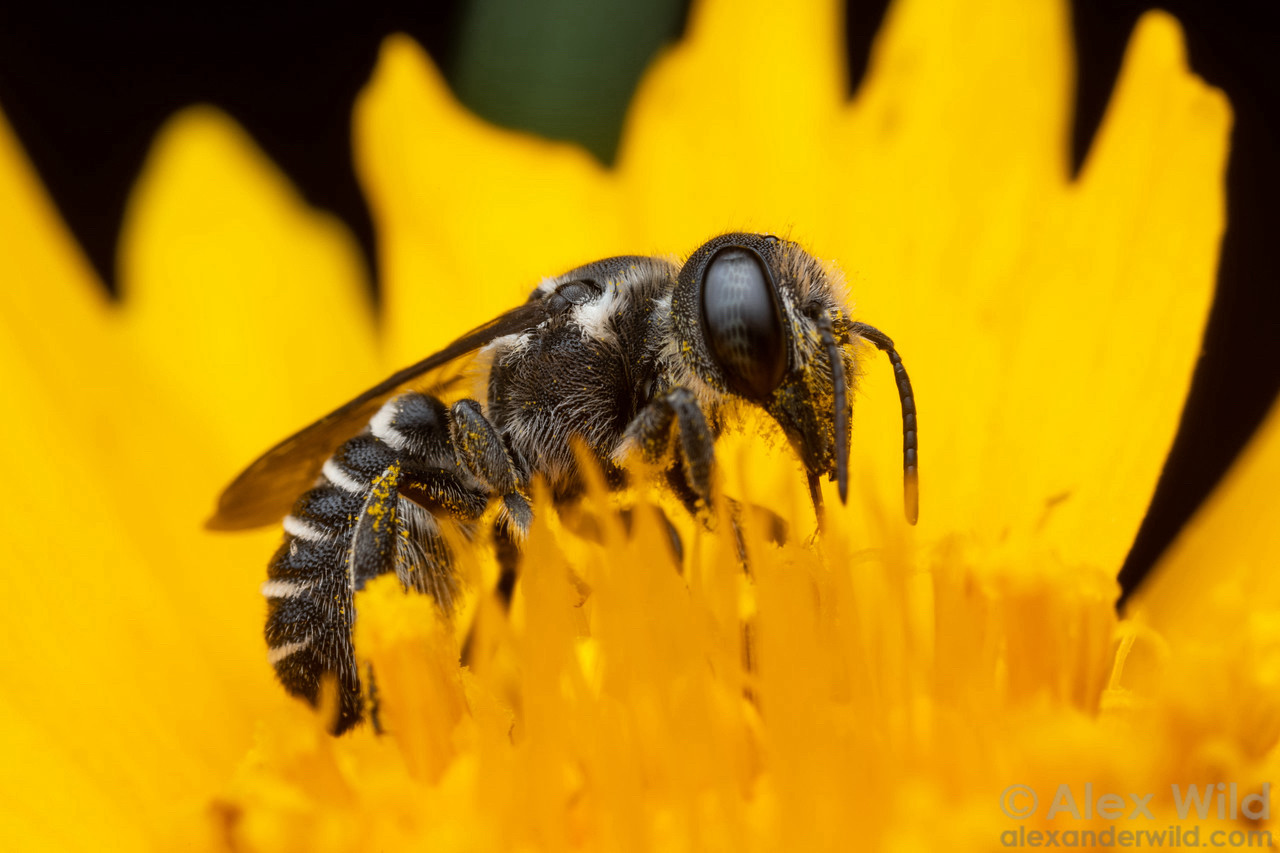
(901, 681)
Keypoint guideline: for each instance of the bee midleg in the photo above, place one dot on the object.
(436, 481)
(491, 460)
(507, 551)
(361, 520)
(678, 411)
(689, 474)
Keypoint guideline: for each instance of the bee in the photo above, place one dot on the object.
(624, 355)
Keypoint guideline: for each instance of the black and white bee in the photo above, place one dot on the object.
(625, 355)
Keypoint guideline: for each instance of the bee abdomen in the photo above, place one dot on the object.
(309, 617)
(309, 596)
(372, 511)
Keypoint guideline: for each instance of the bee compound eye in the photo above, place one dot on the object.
(743, 321)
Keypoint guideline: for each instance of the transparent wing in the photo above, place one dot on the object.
(266, 490)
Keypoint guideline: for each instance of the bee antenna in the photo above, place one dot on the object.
(910, 448)
(841, 410)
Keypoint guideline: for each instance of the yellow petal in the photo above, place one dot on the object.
(1148, 221)
(469, 217)
(45, 266)
(85, 711)
(405, 640)
(732, 129)
(1050, 327)
(1059, 312)
(1222, 567)
(885, 696)
(1203, 646)
(150, 626)
(244, 301)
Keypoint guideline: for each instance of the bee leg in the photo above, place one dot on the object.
(488, 457)
(774, 527)
(482, 451)
(377, 529)
(507, 550)
(458, 455)
(375, 718)
(587, 526)
(690, 473)
(673, 535)
(433, 484)
(492, 460)
(651, 431)
(393, 533)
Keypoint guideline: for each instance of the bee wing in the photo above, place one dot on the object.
(266, 490)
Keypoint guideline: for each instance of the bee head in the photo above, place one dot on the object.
(761, 319)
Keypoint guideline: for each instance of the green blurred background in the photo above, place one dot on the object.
(559, 68)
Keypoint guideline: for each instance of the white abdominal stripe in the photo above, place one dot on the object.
(305, 530)
(284, 589)
(278, 653)
(382, 428)
(340, 478)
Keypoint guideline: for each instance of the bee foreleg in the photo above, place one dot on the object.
(652, 429)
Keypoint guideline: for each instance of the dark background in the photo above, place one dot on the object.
(86, 88)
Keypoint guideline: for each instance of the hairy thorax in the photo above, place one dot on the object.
(580, 377)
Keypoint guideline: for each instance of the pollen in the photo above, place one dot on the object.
(382, 499)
